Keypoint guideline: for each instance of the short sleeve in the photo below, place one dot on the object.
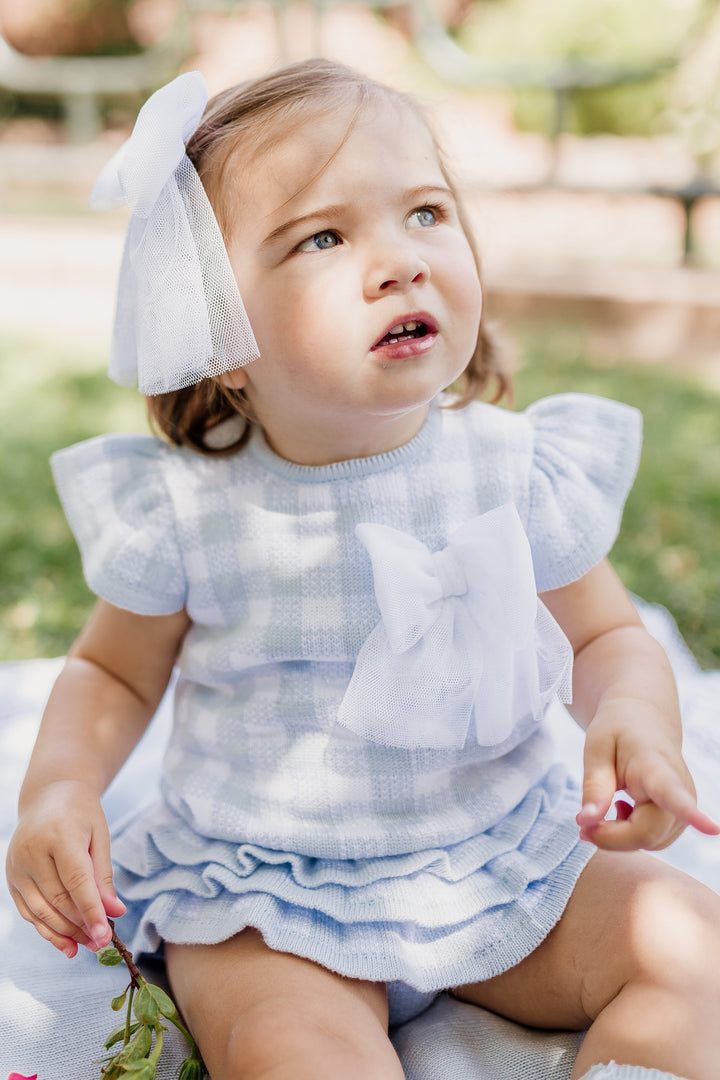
(115, 498)
(585, 456)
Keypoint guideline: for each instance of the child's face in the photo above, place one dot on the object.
(328, 262)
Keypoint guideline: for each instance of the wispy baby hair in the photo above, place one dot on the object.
(255, 117)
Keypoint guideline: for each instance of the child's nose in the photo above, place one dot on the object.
(397, 270)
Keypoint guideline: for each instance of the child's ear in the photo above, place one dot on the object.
(234, 380)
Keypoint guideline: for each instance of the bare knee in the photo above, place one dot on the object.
(653, 993)
(670, 939)
(283, 1039)
(266, 1036)
(257, 1013)
(632, 921)
(674, 925)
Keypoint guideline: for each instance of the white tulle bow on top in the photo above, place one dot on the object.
(463, 647)
(179, 316)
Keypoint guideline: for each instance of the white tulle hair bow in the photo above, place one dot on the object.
(463, 647)
(179, 315)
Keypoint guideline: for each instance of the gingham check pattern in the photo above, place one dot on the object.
(263, 554)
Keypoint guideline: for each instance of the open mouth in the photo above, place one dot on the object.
(405, 331)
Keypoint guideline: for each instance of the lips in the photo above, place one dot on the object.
(407, 328)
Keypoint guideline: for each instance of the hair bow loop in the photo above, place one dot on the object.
(145, 163)
(179, 317)
(463, 642)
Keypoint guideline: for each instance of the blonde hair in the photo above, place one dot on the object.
(256, 116)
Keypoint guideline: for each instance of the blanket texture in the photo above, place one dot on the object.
(55, 1013)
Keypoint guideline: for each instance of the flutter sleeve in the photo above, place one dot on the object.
(585, 456)
(117, 503)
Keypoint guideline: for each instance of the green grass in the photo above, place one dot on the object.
(666, 553)
(50, 398)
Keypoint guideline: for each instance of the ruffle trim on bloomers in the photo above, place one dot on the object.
(431, 919)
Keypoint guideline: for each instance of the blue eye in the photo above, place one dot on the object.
(321, 241)
(425, 216)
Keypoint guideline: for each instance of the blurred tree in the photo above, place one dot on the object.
(694, 109)
(67, 27)
(647, 34)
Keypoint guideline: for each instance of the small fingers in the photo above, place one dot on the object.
(81, 889)
(49, 924)
(62, 894)
(100, 855)
(683, 806)
(643, 826)
(701, 821)
(59, 864)
(660, 785)
(599, 781)
(668, 790)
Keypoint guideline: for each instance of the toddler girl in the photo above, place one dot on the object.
(360, 805)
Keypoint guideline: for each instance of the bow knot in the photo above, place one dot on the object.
(450, 574)
(463, 641)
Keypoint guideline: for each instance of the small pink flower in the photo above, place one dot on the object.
(17, 1076)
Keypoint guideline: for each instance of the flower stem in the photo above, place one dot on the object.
(184, 1031)
(136, 977)
(128, 1015)
(159, 1038)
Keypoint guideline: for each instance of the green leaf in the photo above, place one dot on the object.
(117, 1002)
(145, 1006)
(109, 956)
(138, 1047)
(119, 1033)
(141, 1043)
(164, 1003)
(139, 1070)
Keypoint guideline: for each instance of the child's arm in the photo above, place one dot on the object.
(624, 695)
(58, 864)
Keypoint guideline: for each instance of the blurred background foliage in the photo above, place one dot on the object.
(674, 43)
(678, 40)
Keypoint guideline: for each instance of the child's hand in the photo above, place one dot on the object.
(58, 867)
(628, 748)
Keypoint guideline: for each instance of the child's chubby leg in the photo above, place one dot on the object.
(257, 1014)
(635, 959)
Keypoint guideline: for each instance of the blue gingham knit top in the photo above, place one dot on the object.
(283, 571)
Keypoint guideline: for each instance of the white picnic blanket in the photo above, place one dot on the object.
(55, 1013)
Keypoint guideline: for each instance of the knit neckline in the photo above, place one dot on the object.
(351, 468)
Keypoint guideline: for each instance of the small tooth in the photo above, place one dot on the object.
(395, 330)
(410, 326)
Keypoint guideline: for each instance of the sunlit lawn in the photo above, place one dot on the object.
(667, 551)
(48, 398)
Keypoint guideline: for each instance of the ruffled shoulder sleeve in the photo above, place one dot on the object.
(116, 500)
(585, 456)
